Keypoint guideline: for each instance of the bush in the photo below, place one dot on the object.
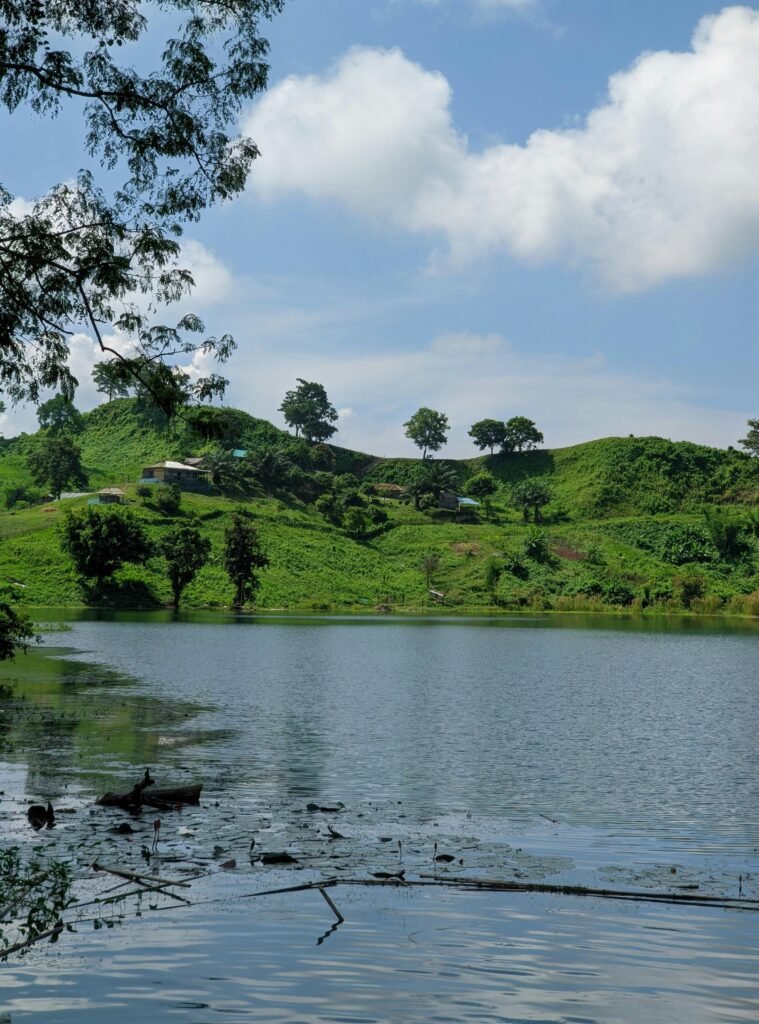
(618, 593)
(167, 499)
(688, 588)
(23, 496)
(536, 547)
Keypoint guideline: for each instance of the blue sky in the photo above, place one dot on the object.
(490, 207)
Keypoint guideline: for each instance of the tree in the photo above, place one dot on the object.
(56, 462)
(60, 416)
(227, 471)
(427, 429)
(112, 378)
(531, 496)
(15, 632)
(488, 434)
(355, 521)
(166, 498)
(243, 556)
(481, 485)
(430, 565)
(751, 441)
(521, 434)
(161, 133)
(308, 410)
(186, 551)
(431, 478)
(100, 540)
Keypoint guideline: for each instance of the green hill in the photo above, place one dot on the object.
(625, 528)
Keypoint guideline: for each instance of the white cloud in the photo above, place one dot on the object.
(659, 182)
(213, 281)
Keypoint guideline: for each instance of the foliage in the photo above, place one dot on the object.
(482, 485)
(355, 521)
(751, 441)
(21, 496)
(536, 546)
(679, 545)
(521, 434)
(531, 495)
(100, 540)
(111, 378)
(82, 250)
(493, 570)
(308, 410)
(272, 466)
(488, 434)
(243, 556)
(427, 429)
(15, 633)
(186, 551)
(55, 462)
(429, 566)
(166, 498)
(728, 531)
(59, 415)
(227, 471)
(37, 892)
(429, 480)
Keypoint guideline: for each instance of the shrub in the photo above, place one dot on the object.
(167, 499)
(618, 593)
(536, 547)
(688, 587)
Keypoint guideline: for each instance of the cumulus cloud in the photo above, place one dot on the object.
(659, 182)
(213, 281)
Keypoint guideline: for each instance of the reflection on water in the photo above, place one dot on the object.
(405, 958)
(606, 754)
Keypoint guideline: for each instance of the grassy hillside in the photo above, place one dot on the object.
(625, 527)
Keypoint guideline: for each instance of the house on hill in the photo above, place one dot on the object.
(388, 490)
(174, 473)
(457, 503)
(110, 496)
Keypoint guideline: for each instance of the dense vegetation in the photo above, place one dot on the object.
(632, 523)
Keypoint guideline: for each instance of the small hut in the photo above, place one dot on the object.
(111, 496)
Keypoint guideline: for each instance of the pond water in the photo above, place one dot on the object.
(603, 752)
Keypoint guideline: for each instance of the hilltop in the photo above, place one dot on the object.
(631, 523)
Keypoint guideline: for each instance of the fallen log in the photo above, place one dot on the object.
(131, 801)
(162, 799)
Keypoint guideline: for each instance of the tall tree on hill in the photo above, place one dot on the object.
(186, 551)
(309, 412)
(751, 441)
(521, 434)
(161, 127)
(59, 415)
(111, 378)
(428, 430)
(243, 556)
(488, 434)
(56, 462)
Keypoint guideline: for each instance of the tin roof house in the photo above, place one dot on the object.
(169, 472)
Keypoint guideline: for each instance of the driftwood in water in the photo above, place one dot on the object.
(131, 801)
(163, 799)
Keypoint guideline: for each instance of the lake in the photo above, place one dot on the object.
(611, 753)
